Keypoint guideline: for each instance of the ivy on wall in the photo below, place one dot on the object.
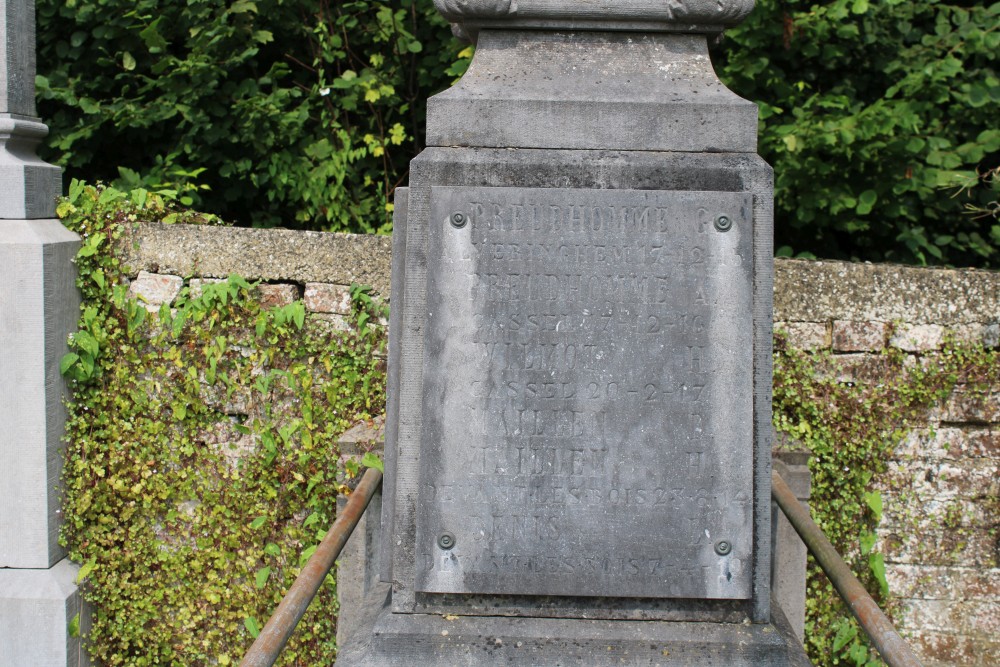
(202, 463)
(852, 428)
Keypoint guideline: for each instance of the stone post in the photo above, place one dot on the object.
(39, 304)
(788, 569)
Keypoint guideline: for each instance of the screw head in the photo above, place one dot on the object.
(723, 223)
(446, 540)
(458, 220)
(722, 547)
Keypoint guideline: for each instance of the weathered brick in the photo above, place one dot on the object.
(363, 437)
(976, 333)
(330, 322)
(944, 649)
(155, 289)
(918, 337)
(971, 407)
(855, 368)
(928, 582)
(327, 298)
(945, 547)
(851, 336)
(806, 335)
(950, 442)
(967, 617)
(277, 294)
(944, 479)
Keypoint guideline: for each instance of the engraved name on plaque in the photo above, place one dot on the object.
(588, 413)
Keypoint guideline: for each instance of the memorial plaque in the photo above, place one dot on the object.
(588, 412)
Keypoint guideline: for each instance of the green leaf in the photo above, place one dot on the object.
(874, 501)
(258, 522)
(371, 460)
(252, 626)
(876, 563)
(272, 549)
(867, 541)
(845, 635)
(152, 37)
(866, 200)
(261, 577)
(86, 569)
(128, 61)
(74, 625)
(67, 362)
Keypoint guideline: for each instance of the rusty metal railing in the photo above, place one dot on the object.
(279, 627)
(272, 639)
(893, 648)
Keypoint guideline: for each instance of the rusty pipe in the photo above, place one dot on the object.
(893, 648)
(279, 627)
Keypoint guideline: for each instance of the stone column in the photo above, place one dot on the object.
(39, 304)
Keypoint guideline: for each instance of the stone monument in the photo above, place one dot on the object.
(39, 307)
(579, 429)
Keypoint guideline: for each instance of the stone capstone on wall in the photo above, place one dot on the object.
(269, 255)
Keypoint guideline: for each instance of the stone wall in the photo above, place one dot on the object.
(943, 572)
(940, 527)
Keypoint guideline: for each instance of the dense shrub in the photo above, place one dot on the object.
(874, 115)
(304, 113)
(291, 112)
(202, 464)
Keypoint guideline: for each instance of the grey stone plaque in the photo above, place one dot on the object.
(588, 413)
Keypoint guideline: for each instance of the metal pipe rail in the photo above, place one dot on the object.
(272, 639)
(893, 648)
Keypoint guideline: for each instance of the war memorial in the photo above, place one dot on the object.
(578, 442)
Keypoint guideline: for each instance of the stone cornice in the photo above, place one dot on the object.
(645, 15)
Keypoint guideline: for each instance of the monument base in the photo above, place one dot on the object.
(382, 639)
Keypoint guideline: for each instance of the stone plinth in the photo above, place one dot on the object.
(37, 608)
(40, 306)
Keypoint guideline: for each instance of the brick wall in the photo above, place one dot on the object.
(943, 570)
(939, 530)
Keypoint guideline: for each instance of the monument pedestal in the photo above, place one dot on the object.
(37, 608)
(578, 441)
(39, 307)
(434, 639)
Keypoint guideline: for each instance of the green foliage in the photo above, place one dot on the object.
(877, 116)
(290, 112)
(851, 429)
(874, 116)
(202, 464)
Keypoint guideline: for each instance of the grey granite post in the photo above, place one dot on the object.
(788, 569)
(578, 451)
(39, 303)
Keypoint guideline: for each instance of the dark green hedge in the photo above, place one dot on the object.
(305, 113)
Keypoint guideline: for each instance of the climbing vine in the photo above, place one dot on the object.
(852, 428)
(202, 462)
